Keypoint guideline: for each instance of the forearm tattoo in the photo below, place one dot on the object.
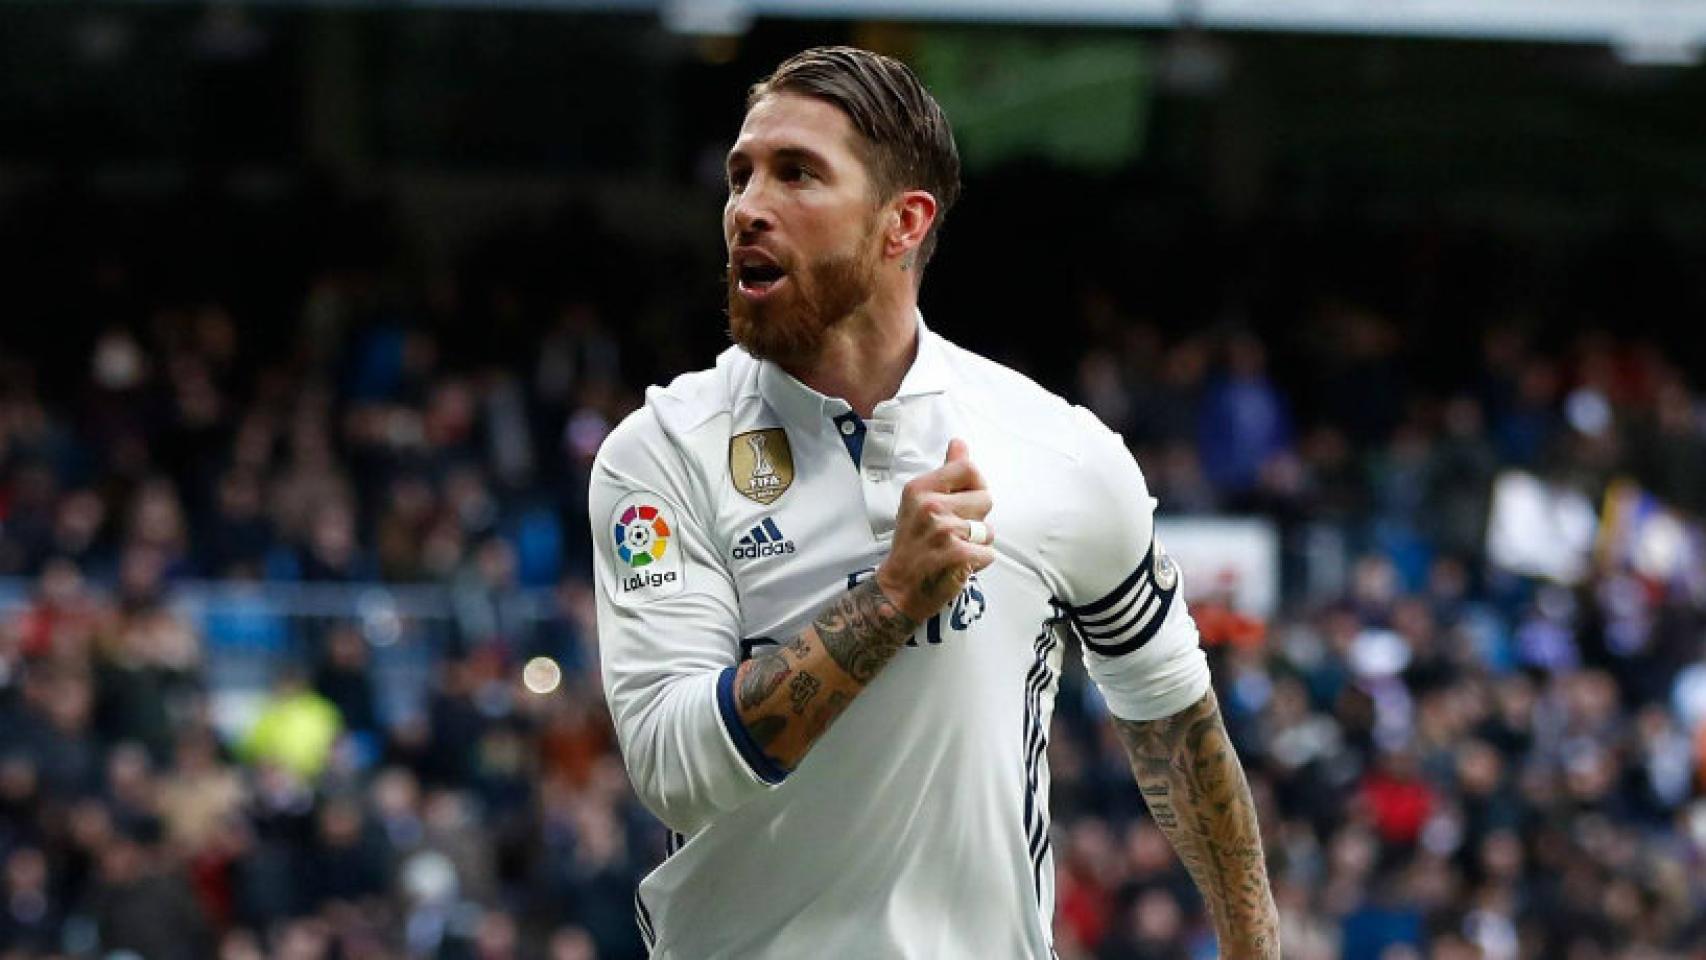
(788, 695)
(1196, 791)
(862, 630)
(761, 679)
(801, 691)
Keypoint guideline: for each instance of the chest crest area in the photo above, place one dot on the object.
(761, 464)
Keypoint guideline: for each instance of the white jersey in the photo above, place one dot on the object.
(735, 506)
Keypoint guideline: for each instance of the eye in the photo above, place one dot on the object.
(797, 173)
(737, 179)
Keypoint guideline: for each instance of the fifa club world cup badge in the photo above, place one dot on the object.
(761, 464)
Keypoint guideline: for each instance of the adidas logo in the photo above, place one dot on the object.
(764, 540)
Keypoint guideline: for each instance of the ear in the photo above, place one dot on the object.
(909, 218)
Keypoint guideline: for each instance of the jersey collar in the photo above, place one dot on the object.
(800, 405)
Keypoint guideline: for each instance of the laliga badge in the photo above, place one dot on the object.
(645, 550)
(761, 464)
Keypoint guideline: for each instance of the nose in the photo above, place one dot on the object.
(748, 214)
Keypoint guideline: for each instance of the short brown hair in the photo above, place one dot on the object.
(906, 139)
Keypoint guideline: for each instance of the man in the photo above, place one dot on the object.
(829, 675)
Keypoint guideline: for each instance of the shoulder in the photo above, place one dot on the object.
(1031, 413)
(660, 430)
(692, 399)
(1021, 408)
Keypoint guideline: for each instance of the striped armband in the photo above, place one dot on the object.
(1131, 614)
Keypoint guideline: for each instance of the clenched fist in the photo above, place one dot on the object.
(940, 515)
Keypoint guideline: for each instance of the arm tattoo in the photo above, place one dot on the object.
(862, 630)
(789, 695)
(826, 714)
(801, 690)
(765, 730)
(759, 682)
(1196, 791)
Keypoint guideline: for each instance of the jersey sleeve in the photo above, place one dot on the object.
(668, 633)
(1123, 595)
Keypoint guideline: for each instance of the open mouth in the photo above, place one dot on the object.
(757, 278)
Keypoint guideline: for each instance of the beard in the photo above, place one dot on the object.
(790, 329)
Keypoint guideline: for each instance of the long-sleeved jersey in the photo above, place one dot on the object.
(728, 512)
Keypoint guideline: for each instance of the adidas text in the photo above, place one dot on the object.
(753, 551)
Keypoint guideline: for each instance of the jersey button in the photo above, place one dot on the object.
(847, 428)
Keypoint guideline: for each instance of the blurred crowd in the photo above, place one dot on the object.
(486, 820)
(1451, 760)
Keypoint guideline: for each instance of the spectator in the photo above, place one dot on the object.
(1244, 425)
(295, 730)
(30, 921)
(200, 796)
(141, 905)
(347, 862)
(342, 679)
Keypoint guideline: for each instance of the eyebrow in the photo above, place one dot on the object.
(785, 153)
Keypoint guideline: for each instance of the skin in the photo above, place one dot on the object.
(843, 324)
(799, 192)
(1195, 788)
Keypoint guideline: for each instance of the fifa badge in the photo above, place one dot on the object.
(761, 464)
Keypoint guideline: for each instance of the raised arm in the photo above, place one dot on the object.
(700, 732)
(1190, 777)
(787, 696)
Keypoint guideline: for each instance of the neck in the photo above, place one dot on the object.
(866, 356)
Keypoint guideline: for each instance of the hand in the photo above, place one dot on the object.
(932, 558)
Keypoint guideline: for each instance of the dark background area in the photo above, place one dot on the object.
(1450, 185)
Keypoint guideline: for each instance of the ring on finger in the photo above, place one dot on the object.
(977, 532)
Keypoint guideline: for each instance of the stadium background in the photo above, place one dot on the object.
(313, 318)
